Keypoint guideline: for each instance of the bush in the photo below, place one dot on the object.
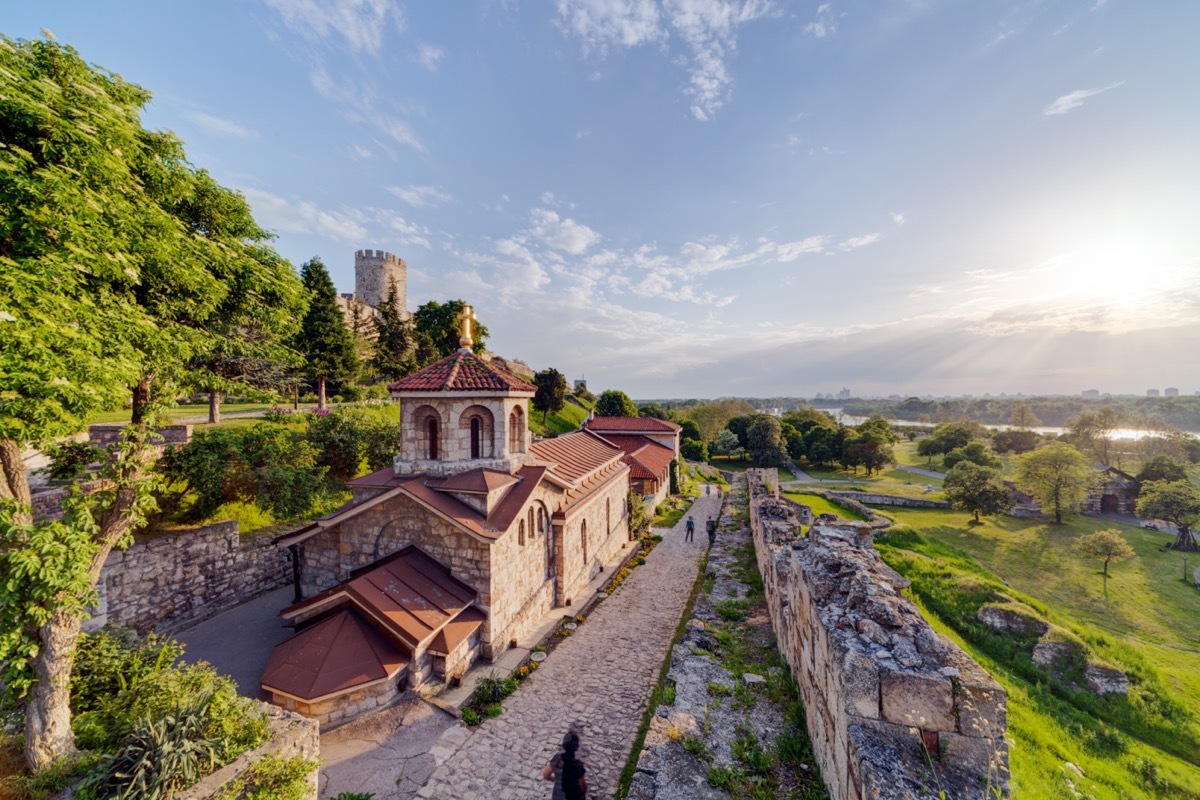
(470, 717)
(694, 450)
(273, 778)
(70, 460)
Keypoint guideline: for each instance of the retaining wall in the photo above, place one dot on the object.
(168, 581)
(888, 499)
(894, 709)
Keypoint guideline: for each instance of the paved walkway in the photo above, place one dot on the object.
(599, 679)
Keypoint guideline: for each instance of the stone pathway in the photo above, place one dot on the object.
(599, 679)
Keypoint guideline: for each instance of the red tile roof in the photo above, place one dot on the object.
(646, 458)
(574, 456)
(631, 425)
(463, 371)
(333, 656)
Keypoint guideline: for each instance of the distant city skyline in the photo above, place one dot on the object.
(718, 198)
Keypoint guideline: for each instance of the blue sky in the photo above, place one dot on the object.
(708, 198)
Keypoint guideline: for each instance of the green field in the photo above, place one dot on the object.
(1147, 624)
(568, 419)
(821, 505)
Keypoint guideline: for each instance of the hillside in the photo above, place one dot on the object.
(572, 415)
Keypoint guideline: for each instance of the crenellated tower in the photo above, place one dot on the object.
(374, 270)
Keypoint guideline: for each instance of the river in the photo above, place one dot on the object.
(1120, 433)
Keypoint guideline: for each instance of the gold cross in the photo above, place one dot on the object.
(465, 318)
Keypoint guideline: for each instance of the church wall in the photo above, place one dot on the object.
(607, 535)
(521, 591)
(454, 433)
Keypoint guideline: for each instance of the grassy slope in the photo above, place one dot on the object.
(572, 415)
(821, 505)
(1149, 610)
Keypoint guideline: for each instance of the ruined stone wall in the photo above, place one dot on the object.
(291, 735)
(167, 581)
(887, 499)
(374, 272)
(894, 709)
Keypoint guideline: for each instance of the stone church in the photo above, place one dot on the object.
(454, 553)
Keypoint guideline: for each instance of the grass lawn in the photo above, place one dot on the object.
(192, 411)
(821, 505)
(730, 464)
(568, 419)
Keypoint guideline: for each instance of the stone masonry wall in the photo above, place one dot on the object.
(375, 271)
(291, 735)
(607, 535)
(888, 499)
(894, 709)
(169, 580)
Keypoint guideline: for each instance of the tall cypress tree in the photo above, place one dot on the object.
(394, 339)
(324, 340)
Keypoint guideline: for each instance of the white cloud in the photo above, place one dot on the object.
(899, 218)
(219, 126)
(824, 24)
(562, 234)
(855, 242)
(925, 291)
(1069, 102)
(304, 216)
(604, 23)
(360, 152)
(790, 251)
(430, 55)
(361, 23)
(419, 196)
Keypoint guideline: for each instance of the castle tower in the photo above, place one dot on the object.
(374, 270)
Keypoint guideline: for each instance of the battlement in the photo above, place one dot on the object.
(375, 272)
(378, 255)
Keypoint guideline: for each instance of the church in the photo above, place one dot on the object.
(454, 553)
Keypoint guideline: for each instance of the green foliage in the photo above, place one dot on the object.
(764, 441)
(471, 717)
(615, 403)
(114, 659)
(70, 459)
(274, 778)
(693, 450)
(551, 392)
(1177, 501)
(337, 439)
(1057, 476)
(688, 429)
(355, 796)
(973, 452)
(977, 489)
(725, 444)
(492, 689)
(1015, 441)
(1162, 468)
(639, 520)
(327, 346)
(395, 349)
(1107, 545)
(160, 756)
(437, 327)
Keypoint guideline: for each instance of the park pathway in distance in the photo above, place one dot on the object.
(600, 679)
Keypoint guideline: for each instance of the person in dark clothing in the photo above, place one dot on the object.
(711, 528)
(567, 771)
(689, 529)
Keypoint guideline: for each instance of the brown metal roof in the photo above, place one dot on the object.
(457, 629)
(331, 657)
(479, 480)
(409, 594)
(575, 456)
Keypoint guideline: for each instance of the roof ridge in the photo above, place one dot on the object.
(454, 368)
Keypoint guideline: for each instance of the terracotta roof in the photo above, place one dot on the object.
(479, 480)
(631, 425)
(453, 632)
(646, 458)
(333, 656)
(463, 371)
(574, 456)
(577, 496)
(409, 594)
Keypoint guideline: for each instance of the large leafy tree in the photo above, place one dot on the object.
(1176, 501)
(437, 323)
(1107, 545)
(615, 403)
(977, 489)
(328, 349)
(551, 393)
(1057, 476)
(119, 263)
(764, 441)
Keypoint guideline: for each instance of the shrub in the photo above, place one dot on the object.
(70, 460)
(490, 689)
(272, 778)
(470, 717)
(494, 710)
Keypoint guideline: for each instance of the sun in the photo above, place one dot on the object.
(1121, 270)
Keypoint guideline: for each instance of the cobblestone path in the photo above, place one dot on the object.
(599, 679)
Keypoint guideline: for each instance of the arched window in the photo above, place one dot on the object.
(516, 431)
(583, 539)
(608, 516)
(476, 434)
(541, 519)
(475, 425)
(532, 530)
(432, 432)
(521, 534)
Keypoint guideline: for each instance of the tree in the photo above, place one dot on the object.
(1056, 475)
(713, 417)
(1108, 545)
(551, 393)
(764, 441)
(615, 403)
(652, 410)
(1092, 430)
(119, 263)
(741, 427)
(725, 444)
(394, 346)
(323, 338)
(975, 452)
(1176, 501)
(693, 450)
(688, 429)
(1162, 468)
(971, 487)
(1023, 417)
(1014, 441)
(439, 323)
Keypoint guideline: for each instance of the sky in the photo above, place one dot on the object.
(706, 198)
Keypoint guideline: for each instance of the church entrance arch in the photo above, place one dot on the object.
(1109, 504)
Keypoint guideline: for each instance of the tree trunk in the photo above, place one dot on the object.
(321, 394)
(15, 477)
(1184, 540)
(48, 735)
(214, 408)
(141, 399)
(296, 399)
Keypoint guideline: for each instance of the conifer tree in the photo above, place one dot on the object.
(324, 339)
(394, 346)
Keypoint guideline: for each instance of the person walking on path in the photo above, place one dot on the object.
(710, 527)
(567, 771)
(689, 529)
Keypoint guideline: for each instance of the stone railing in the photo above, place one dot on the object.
(291, 735)
(167, 581)
(894, 709)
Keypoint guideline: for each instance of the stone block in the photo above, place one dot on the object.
(859, 685)
(919, 699)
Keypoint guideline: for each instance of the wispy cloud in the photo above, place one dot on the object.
(855, 242)
(361, 24)
(899, 218)
(418, 196)
(1073, 100)
(707, 27)
(790, 251)
(219, 126)
(562, 234)
(824, 22)
(347, 225)
(429, 56)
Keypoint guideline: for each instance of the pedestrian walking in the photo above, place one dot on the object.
(708, 489)
(710, 527)
(689, 529)
(567, 771)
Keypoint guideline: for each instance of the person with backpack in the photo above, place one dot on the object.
(567, 771)
(689, 529)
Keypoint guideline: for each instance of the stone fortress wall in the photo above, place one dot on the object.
(894, 709)
(374, 271)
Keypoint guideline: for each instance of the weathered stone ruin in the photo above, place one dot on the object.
(895, 710)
